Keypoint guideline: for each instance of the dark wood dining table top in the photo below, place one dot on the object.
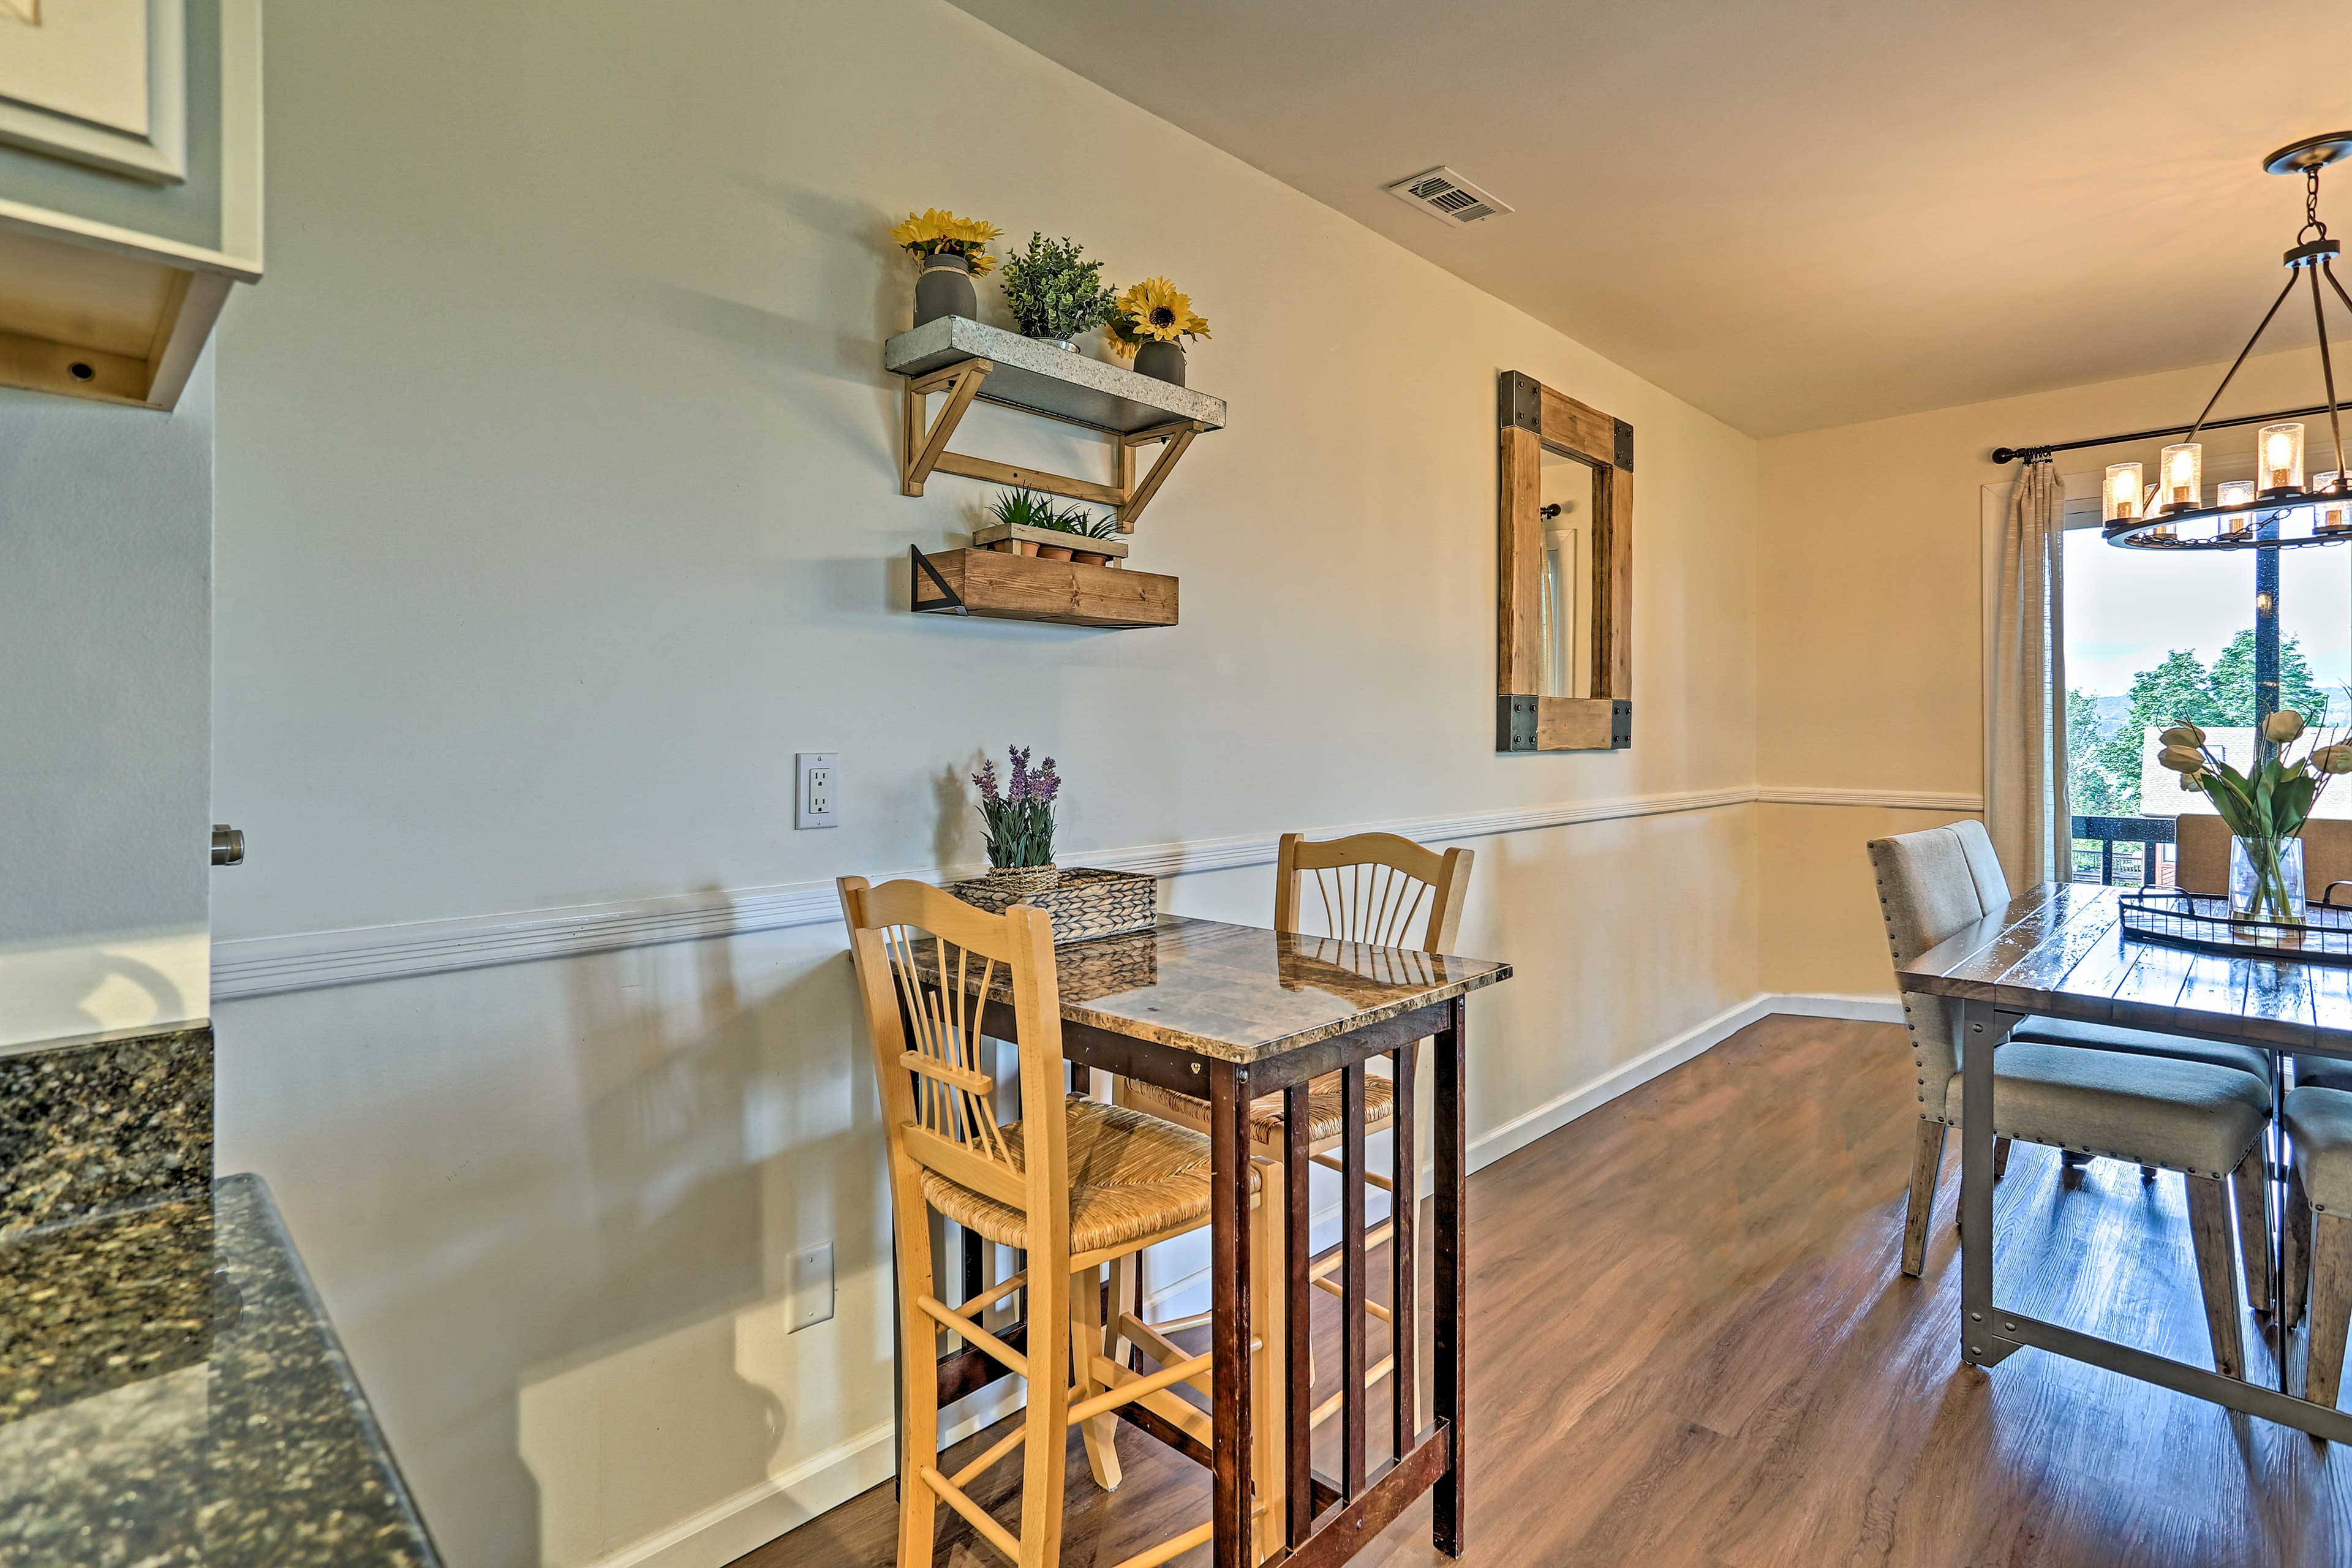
(2059, 951)
(1241, 993)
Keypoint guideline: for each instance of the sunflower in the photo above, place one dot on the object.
(1153, 311)
(933, 232)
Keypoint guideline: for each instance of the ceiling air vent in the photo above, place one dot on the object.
(1447, 196)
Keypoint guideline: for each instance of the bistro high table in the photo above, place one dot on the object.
(1227, 1014)
(2059, 952)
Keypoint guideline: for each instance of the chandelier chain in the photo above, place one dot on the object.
(2313, 228)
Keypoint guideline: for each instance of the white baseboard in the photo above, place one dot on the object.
(1887, 1009)
(726, 1530)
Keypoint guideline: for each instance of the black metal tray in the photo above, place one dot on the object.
(2204, 924)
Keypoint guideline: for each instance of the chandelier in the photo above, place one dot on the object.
(2281, 505)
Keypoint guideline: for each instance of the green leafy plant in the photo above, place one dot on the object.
(1052, 293)
(1022, 508)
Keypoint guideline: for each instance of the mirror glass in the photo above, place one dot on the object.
(1567, 588)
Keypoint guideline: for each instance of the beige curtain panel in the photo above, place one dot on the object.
(2025, 795)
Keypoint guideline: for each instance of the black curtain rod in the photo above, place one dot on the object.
(2030, 454)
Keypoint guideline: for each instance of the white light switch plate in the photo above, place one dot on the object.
(808, 1286)
(816, 799)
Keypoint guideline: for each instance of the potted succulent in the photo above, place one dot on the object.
(952, 251)
(1027, 523)
(1147, 322)
(2264, 809)
(1053, 295)
(1020, 822)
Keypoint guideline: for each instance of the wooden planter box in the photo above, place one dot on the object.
(1013, 539)
(1025, 588)
(1085, 903)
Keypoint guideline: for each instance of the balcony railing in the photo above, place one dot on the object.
(2135, 851)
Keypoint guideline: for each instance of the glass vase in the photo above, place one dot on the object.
(2266, 881)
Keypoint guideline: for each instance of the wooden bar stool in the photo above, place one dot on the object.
(1074, 1183)
(1380, 891)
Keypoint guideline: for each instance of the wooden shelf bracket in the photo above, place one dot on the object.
(923, 447)
(1135, 497)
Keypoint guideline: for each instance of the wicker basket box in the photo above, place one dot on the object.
(1085, 903)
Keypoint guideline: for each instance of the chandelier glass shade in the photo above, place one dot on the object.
(2282, 505)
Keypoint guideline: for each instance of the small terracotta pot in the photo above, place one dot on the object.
(1022, 546)
(1053, 552)
(1006, 547)
(1088, 558)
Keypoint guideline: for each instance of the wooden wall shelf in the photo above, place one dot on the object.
(968, 361)
(989, 583)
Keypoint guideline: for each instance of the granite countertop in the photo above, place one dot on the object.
(171, 1392)
(1242, 994)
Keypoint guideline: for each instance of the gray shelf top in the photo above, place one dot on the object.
(1047, 379)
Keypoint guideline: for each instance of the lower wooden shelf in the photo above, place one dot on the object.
(1028, 588)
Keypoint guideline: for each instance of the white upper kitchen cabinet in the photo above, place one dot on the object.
(130, 189)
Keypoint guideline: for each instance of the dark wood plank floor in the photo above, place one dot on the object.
(1691, 1344)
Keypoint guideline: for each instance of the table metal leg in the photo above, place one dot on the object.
(1404, 1203)
(1450, 1366)
(1982, 1030)
(1230, 1328)
(1352, 1367)
(1298, 1308)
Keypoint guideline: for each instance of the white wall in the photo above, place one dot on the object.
(558, 510)
(106, 533)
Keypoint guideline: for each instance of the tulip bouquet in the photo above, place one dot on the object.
(2264, 808)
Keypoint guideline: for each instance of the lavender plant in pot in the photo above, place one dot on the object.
(1020, 821)
(2264, 809)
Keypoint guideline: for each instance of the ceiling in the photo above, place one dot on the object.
(1791, 213)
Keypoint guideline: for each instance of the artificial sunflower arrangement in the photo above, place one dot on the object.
(1154, 311)
(932, 232)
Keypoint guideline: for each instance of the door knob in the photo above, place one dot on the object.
(228, 845)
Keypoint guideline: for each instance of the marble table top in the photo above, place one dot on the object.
(172, 1393)
(1243, 994)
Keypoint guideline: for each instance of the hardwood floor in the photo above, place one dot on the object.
(1691, 1345)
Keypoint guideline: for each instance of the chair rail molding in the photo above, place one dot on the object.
(306, 961)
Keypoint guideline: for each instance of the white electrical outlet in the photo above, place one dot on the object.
(808, 1286)
(818, 802)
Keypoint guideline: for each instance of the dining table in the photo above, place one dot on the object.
(2062, 950)
(1229, 1014)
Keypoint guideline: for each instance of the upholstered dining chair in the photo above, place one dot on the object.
(1073, 1184)
(2199, 1118)
(1377, 889)
(2202, 864)
(2318, 1254)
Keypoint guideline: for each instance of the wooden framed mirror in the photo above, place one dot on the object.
(1564, 631)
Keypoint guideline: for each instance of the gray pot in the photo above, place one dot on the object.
(943, 287)
(1160, 361)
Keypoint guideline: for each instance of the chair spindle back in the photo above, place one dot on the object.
(1377, 889)
(928, 968)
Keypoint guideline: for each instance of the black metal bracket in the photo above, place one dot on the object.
(1625, 446)
(1520, 400)
(1621, 724)
(1515, 723)
(922, 564)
